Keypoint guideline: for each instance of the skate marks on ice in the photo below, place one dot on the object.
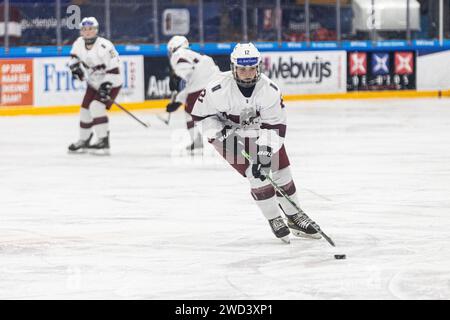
(375, 175)
(374, 269)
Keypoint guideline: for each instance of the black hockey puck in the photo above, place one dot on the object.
(340, 256)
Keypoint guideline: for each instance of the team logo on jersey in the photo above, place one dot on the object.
(358, 63)
(249, 118)
(380, 63)
(404, 63)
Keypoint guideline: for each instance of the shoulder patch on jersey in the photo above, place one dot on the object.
(273, 86)
(215, 88)
(112, 53)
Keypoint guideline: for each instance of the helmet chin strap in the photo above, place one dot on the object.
(247, 83)
(89, 41)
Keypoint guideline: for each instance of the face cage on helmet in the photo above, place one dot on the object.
(89, 41)
(246, 83)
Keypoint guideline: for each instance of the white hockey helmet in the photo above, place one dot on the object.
(175, 43)
(89, 22)
(246, 55)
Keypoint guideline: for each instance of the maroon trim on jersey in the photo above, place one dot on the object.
(113, 71)
(91, 95)
(198, 118)
(181, 60)
(100, 120)
(190, 101)
(190, 124)
(99, 67)
(280, 160)
(234, 118)
(85, 125)
(289, 188)
(263, 193)
(279, 128)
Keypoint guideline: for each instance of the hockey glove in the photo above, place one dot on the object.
(77, 72)
(261, 167)
(174, 82)
(173, 106)
(104, 91)
(225, 134)
(229, 140)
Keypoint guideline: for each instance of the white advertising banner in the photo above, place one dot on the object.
(54, 85)
(433, 71)
(308, 71)
(175, 22)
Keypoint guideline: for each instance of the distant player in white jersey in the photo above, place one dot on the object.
(243, 110)
(95, 60)
(197, 71)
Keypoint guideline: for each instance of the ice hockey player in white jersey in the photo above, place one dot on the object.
(95, 60)
(197, 71)
(243, 109)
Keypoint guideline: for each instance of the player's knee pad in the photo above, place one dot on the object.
(98, 109)
(282, 176)
(263, 193)
(289, 188)
(85, 116)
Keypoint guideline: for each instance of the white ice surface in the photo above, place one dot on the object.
(147, 224)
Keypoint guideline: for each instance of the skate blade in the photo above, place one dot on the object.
(99, 152)
(81, 151)
(285, 239)
(194, 152)
(301, 234)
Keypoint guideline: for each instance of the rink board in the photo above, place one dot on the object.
(161, 103)
(43, 85)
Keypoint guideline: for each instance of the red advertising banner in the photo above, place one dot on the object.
(16, 82)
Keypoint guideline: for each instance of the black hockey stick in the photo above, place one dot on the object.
(286, 196)
(172, 99)
(131, 115)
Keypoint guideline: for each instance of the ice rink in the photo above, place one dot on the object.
(149, 223)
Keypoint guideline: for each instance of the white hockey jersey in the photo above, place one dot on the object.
(101, 63)
(196, 69)
(261, 116)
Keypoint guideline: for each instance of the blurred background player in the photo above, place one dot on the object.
(197, 71)
(95, 60)
(243, 109)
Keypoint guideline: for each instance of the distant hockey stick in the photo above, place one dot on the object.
(172, 99)
(286, 196)
(166, 121)
(147, 125)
